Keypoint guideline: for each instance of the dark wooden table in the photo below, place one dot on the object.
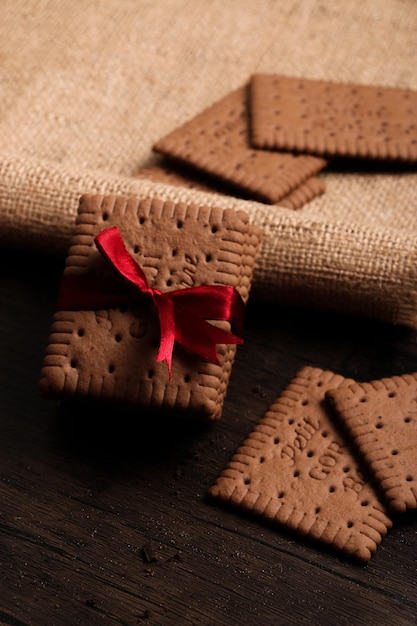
(104, 519)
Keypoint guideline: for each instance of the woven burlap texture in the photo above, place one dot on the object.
(89, 86)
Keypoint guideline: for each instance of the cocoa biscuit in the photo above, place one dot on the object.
(176, 175)
(381, 419)
(216, 141)
(297, 469)
(110, 352)
(333, 119)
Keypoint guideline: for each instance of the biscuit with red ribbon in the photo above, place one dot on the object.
(150, 284)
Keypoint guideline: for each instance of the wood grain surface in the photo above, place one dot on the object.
(103, 513)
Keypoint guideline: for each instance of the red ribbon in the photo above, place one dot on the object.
(182, 312)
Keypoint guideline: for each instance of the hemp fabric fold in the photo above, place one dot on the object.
(88, 87)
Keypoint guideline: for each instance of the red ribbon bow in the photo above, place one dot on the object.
(182, 312)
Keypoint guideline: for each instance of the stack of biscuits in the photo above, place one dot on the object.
(270, 139)
(332, 459)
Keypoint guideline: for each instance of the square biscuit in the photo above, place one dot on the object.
(381, 418)
(111, 353)
(297, 469)
(331, 119)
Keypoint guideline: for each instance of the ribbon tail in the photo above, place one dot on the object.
(165, 310)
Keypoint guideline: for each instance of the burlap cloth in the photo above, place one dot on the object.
(88, 86)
